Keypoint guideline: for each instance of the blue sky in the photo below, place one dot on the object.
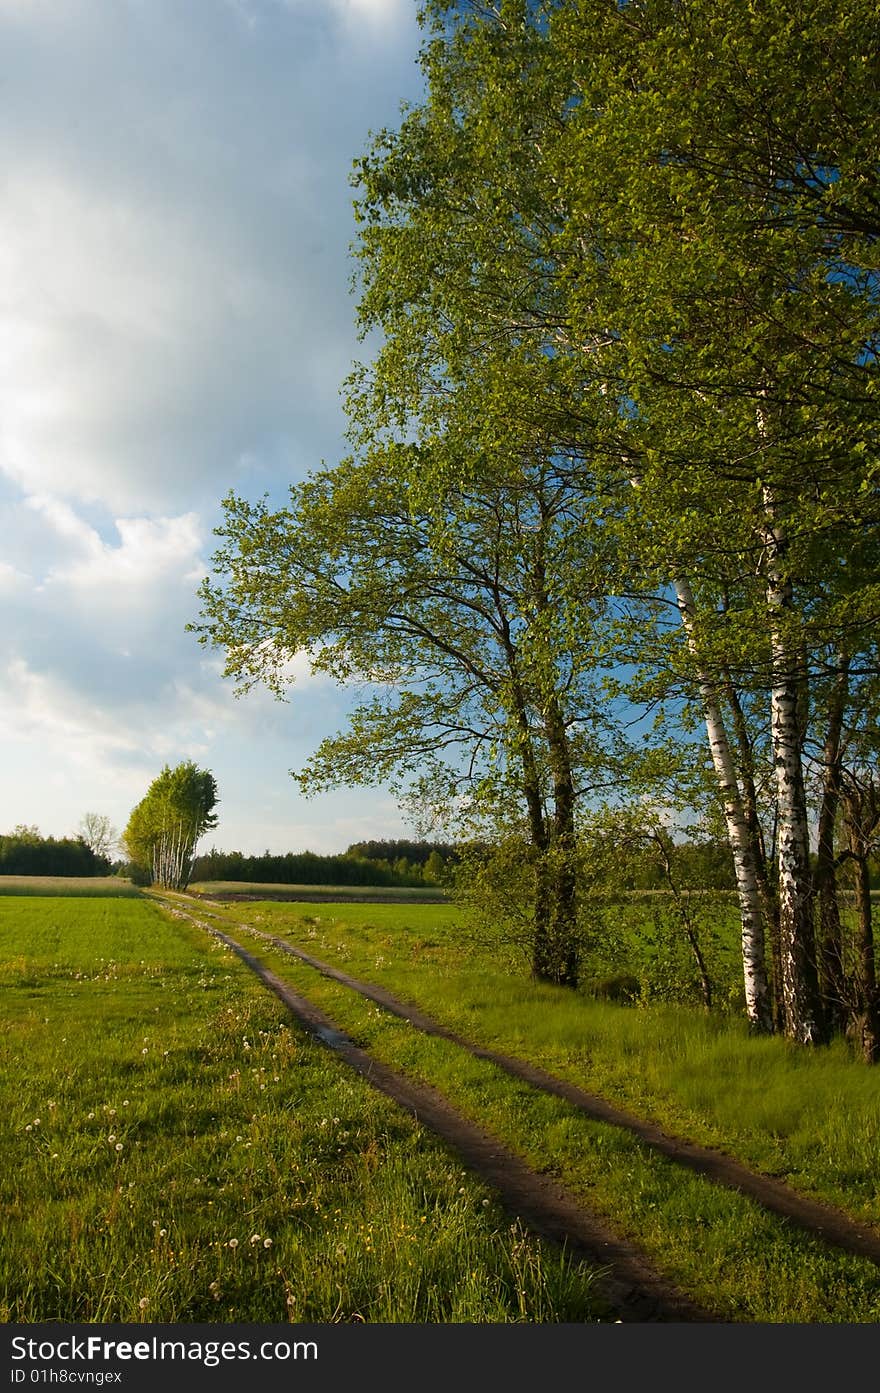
(175, 222)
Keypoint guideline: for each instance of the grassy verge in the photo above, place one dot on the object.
(175, 1151)
(809, 1117)
(88, 886)
(379, 894)
(725, 1250)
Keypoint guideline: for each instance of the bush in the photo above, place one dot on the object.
(138, 875)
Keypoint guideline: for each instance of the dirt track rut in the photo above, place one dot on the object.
(818, 1219)
(626, 1279)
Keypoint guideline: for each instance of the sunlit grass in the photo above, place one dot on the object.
(810, 1116)
(734, 1258)
(175, 1151)
(379, 893)
(87, 886)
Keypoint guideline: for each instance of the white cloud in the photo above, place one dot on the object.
(150, 552)
(175, 321)
(375, 12)
(11, 578)
(174, 221)
(42, 708)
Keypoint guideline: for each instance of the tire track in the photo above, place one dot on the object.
(627, 1280)
(820, 1220)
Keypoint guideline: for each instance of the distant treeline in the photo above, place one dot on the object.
(413, 863)
(25, 852)
(417, 853)
(401, 863)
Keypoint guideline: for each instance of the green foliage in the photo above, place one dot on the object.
(453, 618)
(26, 852)
(434, 868)
(165, 826)
(418, 853)
(651, 258)
(495, 886)
(662, 944)
(138, 875)
(615, 459)
(299, 868)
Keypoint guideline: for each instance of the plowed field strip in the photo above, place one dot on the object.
(627, 1281)
(822, 1221)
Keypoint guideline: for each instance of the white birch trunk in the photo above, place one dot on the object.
(795, 881)
(758, 1007)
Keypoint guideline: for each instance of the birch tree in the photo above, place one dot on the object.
(660, 246)
(742, 229)
(164, 828)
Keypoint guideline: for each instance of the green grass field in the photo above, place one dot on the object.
(178, 1151)
(405, 894)
(88, 886)
(811, 1118)
(175, 1150)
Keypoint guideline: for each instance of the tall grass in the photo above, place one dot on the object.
(369, 893)
(174, 1150)
(732, 1256)
(87, 886)
(811, 1117)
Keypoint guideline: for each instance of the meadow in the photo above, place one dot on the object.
(87, 887)
(404, 894)
(809, 1118)
(177, 1150)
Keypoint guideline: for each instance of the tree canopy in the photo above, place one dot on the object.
(165, 826)
(616, 454)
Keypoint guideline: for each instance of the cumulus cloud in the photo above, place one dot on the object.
(100, 684)
(175, 321)
(174, 219)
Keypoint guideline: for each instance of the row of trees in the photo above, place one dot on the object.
(310, 868)
(615, 466)
(25, 851)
